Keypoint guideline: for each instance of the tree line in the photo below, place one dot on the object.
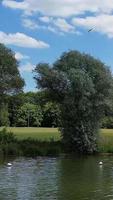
(75, 93)
(29, 110)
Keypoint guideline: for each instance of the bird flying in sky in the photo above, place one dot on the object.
(90, 30)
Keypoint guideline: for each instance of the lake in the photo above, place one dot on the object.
(80, 178)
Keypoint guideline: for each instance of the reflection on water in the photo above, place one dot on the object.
(57, 178)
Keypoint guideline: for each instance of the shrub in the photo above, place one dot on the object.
(6, 137)
(107, 122)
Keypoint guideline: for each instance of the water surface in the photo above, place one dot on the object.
(57, 178)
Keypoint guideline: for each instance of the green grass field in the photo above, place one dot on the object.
(43, 134)
(46, 134)
(106, 140)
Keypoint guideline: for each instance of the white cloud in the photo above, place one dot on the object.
(56, 14)
(28, 23)
(52, 29)
(58, 25)
(28, 67)
(21, 40)
(100, 23)
(45, 19)
(15, 4)
(20, 56)
(63, 25)
(61, 8)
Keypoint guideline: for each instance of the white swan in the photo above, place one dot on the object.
(9, 164)
(100, 163)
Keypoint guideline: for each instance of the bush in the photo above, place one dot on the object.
(107, 122)
(30, 147)
(6, 137)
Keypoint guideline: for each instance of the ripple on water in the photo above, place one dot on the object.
(29, 179)
(57, 178)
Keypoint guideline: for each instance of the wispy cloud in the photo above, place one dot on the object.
(58, 25)
(28, 23)
(45, 19)
(21, 40)
(63, 25)
(28, 67)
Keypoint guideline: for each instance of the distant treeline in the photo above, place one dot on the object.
(29, 109)
(35, 109)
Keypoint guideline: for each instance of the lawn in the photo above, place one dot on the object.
(50, 133)
(43, 134)
(106, 140)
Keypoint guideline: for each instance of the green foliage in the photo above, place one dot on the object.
(32, 147)
(4, 115)
(51, 115)
(6, 137)
(29, 115)
(14, 104)
(107, 122)
(10, 80)
(49, 109)
(82, 86)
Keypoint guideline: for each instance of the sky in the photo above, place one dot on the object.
(41, 30)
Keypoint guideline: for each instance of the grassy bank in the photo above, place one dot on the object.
(10, 144)
(46, 141)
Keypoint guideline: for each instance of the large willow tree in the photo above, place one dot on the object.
(82, 85)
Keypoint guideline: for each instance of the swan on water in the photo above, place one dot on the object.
(9, 164)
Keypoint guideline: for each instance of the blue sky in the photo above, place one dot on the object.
(40, 30)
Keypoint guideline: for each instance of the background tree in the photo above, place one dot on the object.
(107, 121)
(51, 115)
(10, 80)
(4, 115)
(82, 85)
(29, 115)
(14, 104)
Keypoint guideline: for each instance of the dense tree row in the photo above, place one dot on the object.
(29, 109)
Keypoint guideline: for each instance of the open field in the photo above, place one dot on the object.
(43, 134)
(50, 133)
